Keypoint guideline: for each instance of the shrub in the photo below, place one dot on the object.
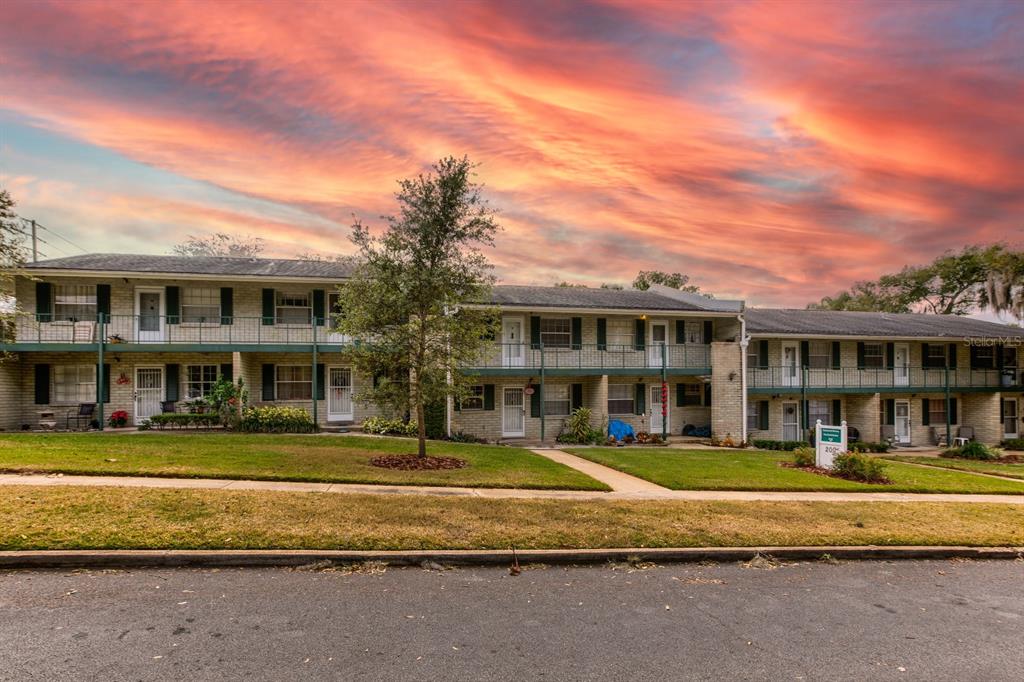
(433, 417)
(1014, 444)
(228, 400)
(859, 467)
(184, 420)
(118, 418)
(578, 429)
(866, 446)
(765, 444)
(972, 450)
(389, 427)
(274, 419)
(804, 456)
(463, 437)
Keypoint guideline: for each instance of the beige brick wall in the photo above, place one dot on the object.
(981, 411)
(726, 391)
(862, 410)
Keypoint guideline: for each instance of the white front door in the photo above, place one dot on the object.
(149, 315)
(1011, 418)
(790, 364)
(149, 392)
(659, 341)
(339, 394)
(903, 421)
(512, 354)
(513, 414)
(656, 409)
(790, 421)
(901, 364)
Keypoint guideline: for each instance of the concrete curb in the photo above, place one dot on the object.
(286, 557)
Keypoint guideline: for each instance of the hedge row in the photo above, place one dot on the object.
(184, 420)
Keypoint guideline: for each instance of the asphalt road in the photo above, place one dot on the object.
(926, 620)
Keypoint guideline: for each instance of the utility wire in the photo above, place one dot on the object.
(58, 234)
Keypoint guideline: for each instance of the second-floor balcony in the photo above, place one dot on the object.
(164, 329)
(878, 379)
(609, 358)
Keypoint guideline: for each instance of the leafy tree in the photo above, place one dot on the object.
(12, 257)
(406, 297)
(612, 285)
(1004, 289)
(952, 284)
(220, 244)
(569, 285)
(676, 280)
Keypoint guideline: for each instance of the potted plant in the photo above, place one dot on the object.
(118, 419)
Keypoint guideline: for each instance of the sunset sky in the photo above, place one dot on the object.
(774, 151)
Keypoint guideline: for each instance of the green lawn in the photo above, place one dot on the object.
(760, 470)
(76, 517)
(1015, 470)
(326, 458)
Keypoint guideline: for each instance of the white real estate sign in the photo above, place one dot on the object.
(829, 441)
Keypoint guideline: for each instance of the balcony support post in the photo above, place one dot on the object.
(101, 334)
(664, 394)
(541, 391)
(315, 422)
(949, 426)
(803, 402)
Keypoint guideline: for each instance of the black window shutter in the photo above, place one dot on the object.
(1002, 409)
(890, 411)
(173, 304)
(999, 357)
(926, 360)
(762, 415)
(42, 384)
(227, 370)
(805, 414)
(640, 335)
(837, 412)
(680, 332)
(321, 392)
(640, 399)
(268, 309)
(709, 331)
(44, 303)
(860, 355)
(534, 332)
(952, 356)
(227, 305)
(762, 353)
(106, 382)
(805, 354)
(974, 357)
(837, 355)
(680, 395)
(535, 401)
(488, 396)
(925, 407)
(952, 412)
(577, 396)
(268, 382)
(318, 307)
(707, 395)
(103, 300)
(577, 333)
(890, 355)
(602, 333)
(172, 375)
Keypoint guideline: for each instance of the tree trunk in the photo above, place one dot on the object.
(421, 428)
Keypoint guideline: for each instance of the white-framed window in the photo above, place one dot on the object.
(620, 398)
(694, 330)
(74, 383)
(294, 308)
(984, 357)
(692, 394)
(475, 399)
(753, 356)
(936, 356)
(818, 409)
(199, 379)
(620, 333)
(200, 304)
(819, 354)
(936, 411)
(753, 415)
(294, 382)
(74, 302)
(874, 356)
(556, 332)
(556, 400)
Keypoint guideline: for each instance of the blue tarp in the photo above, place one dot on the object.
(620, 429)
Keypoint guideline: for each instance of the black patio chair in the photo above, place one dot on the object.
(168, 407)
(84, 413)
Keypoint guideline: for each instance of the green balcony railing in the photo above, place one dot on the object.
(916, 378)
(595, 356)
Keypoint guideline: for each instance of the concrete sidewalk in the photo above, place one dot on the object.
(493, 493)
(618, 481)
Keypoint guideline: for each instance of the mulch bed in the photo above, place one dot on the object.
(417, 463)
(828, 472)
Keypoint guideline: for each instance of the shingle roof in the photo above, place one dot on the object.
(197, 265)
(767, 321)
(579, 297)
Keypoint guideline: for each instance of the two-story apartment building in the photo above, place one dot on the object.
(145, 334)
